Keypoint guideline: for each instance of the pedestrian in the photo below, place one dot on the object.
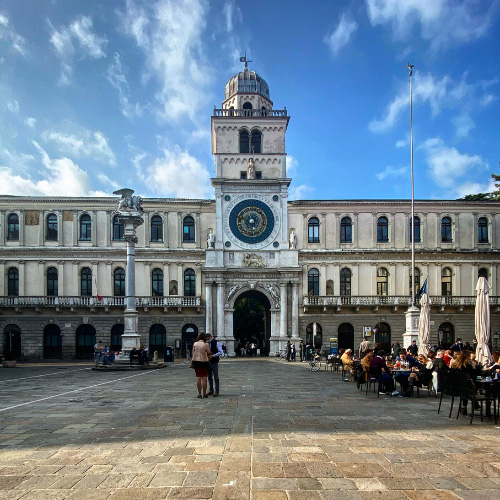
(224, 350)
(293, 353)
(458, 346)
(364, 346)
(474, 344)
(413, 349)
(213, 366)
(288, 351)
(396, 348)
(98, 352)
(135, 354)
(200, 358)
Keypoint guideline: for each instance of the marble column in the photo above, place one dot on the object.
(295, 311)
(220, 313)
(283, 312)
(208, 307)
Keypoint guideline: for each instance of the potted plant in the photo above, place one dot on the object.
(10, 360)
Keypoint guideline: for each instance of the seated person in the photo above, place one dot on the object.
(447, 357)
(143, 355)
(347, 360)
(421, 374)
(493, 368)
(438, 361)
(402, 378)
(135, 355)
(379, 370)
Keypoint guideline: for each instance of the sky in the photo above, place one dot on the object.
(98, 95)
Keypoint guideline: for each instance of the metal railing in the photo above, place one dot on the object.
(272, 113)
(107, 301)
(379, 300)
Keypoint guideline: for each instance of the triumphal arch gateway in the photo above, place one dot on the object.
(304, 269)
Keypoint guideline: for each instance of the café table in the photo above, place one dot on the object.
(485, 386)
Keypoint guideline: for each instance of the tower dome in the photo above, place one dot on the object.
(248, 82)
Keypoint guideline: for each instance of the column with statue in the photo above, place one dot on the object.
(130, 214)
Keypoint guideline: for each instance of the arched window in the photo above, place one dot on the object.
(346, 230)
(118, 229)
(417, 280)
(314, 335)
(446, 230)
(156, 228)
(188, 230)
(446, 282)
(447, 333)
(157, 283)
(244, 141)
(313, 230)
(86, 282)
(116, 337)
(345, 281)
(313, 282)
(383, 335)
(85, 227)
(263, 111)
(13, 227)
(52, 282)
(52, 230)
(119, 282)
(382, 230)
(256, 141)
(247, 106)
(416, 229)
(189, 283)
(13, 282)
(482, 230)
(482, 273)
(382, 281)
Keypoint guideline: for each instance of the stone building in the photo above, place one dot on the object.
(311, 270)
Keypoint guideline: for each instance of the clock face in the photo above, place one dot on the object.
(251, 221)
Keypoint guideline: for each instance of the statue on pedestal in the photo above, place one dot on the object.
(251, 169)
(293, 240)
(210, 240)
(129, 204)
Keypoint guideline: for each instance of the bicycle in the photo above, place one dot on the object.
(315, 363)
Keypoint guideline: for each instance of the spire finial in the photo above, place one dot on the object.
(245, 60)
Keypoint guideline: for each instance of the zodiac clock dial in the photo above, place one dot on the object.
(251, 221)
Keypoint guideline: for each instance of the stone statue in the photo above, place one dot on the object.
(293, 240)
(250, 169)
(273, 292)
(210, 240)
(231, 292)
(129, 204)
(253, 260)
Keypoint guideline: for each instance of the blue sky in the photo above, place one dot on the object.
(100, 95)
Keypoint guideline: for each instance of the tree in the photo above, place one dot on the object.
(493, 195)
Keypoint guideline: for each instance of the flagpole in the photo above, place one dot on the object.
(412, 222)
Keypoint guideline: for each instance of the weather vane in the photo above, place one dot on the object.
(410, 68)
(245, 60)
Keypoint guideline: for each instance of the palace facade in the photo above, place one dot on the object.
(343, 265)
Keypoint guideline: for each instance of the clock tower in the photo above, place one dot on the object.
(252, 252)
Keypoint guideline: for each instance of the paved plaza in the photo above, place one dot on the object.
(277, 432)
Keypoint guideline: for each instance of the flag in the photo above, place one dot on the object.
(422, 290)
(99, 297)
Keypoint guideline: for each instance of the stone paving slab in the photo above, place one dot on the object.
(278, 432)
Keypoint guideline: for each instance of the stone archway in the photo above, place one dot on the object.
(252, 321)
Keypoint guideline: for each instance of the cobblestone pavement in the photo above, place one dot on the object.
(277, 432)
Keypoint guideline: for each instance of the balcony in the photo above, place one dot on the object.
(70, 303)
(246, 113)
(376, 301)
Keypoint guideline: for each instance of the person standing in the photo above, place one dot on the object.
(288, 351)
(302, 351)
(413, 349)
(200, 358)
(213, 366)
(458, 346)
(293, 353)
(396, 349)
(364, 346)
(98, 352)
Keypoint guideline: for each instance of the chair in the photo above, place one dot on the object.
(362, 377)
(467, 390)
(448, 385)
(374, 377)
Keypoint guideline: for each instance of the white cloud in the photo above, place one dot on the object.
(91, 144)
(447, 164)
(341, 34)
(106, 180)
(61, 177)
(390, 171)
(301, 192)
(463, 125)
(170, 33)
(178, 174)
(9, 34)
(231, 13)
(403, 143)
(20, 162)
(474, 188)
(118, 80)
(437, 93)
(79, 33)
(291, 166)
(442, 22)
(30, 122)
(13, 106)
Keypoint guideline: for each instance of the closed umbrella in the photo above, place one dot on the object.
(482, 321)
(424, 325)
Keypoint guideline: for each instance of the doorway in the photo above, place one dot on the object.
(85, 341)
(52, 342)
(12, 340)
(346, 336)
(189, 334)
(252, 321)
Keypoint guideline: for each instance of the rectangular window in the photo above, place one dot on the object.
(243, 175)
(258, 175)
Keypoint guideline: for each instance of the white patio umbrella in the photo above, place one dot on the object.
(482, 321)
(424, 325)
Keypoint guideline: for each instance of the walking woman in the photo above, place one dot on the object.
(201, 355)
